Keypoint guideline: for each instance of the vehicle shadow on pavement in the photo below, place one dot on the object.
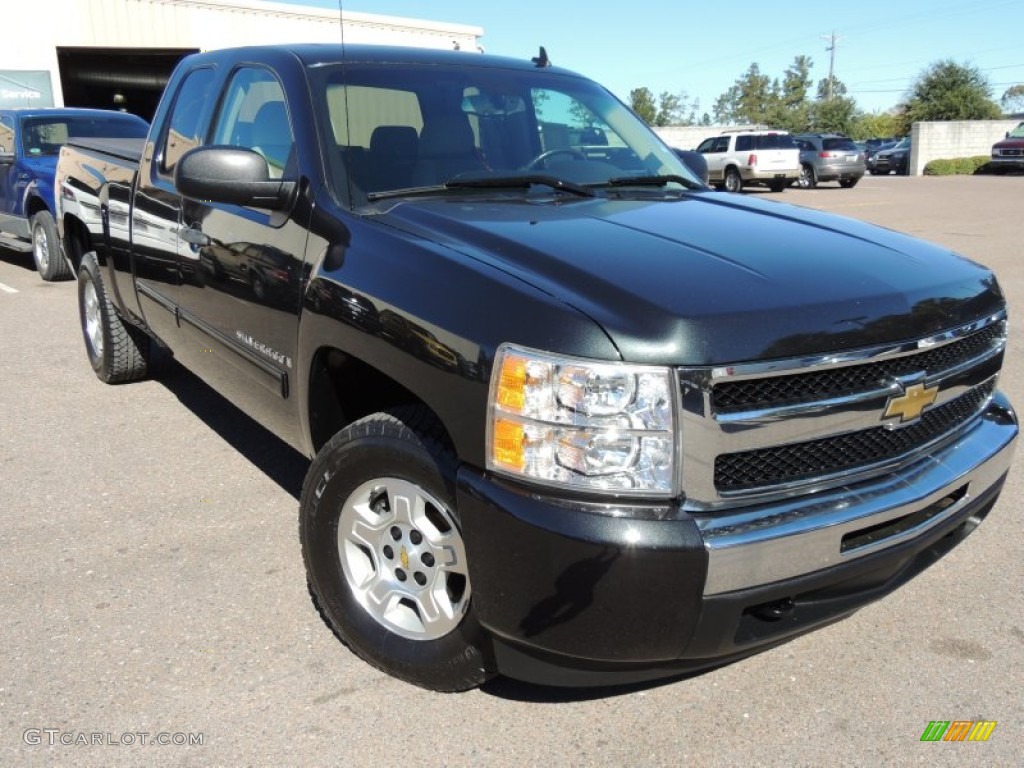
(269, 453)
(517, 690)
(17, 259)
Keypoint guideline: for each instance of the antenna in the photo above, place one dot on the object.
(540, 60)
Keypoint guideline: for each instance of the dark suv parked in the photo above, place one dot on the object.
(829, 157)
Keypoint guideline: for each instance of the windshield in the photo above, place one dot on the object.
(44, 136)
(1016, 133)
(407, 126)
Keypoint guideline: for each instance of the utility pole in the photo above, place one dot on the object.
(831, 48)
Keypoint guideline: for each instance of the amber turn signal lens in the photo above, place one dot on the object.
(512, 383)
(508, 444)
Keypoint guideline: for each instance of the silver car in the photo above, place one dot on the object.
(829, 157)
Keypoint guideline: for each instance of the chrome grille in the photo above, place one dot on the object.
(775, 391)
(755, 431)
(818, 458)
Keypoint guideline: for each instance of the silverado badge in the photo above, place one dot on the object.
(911, 403)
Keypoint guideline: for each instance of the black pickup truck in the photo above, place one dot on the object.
(573, 417)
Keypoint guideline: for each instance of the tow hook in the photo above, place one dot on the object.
(779, 609)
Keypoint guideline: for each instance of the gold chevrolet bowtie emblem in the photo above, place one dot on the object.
(911, 403)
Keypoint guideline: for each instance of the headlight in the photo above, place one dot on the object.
(582, 424)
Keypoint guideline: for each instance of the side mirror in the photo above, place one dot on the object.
(695, 161)
(231, 175)
(6, 158)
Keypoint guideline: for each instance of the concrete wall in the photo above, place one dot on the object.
(948, 140)
(688, 137)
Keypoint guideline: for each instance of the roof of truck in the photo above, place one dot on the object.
(313, 54)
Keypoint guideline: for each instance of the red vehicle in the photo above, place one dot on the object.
(1009, 153)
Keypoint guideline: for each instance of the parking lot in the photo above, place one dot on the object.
(153, 589)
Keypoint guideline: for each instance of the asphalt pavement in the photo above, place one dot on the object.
(155, 612)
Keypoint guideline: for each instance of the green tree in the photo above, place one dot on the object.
(757, 97)
(874, 125)
(670, 110)
(642, 102)
(830, 88)
(1013, 99)
(835, 115)
(726, 107)
(949, 91)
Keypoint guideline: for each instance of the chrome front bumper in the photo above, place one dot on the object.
(758, 545)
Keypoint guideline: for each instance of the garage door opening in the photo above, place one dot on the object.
(129, 79)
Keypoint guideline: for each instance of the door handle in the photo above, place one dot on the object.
(194, 237)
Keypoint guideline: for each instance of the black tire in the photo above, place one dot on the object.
(46, 253)
(118, 352)
(848, 183)
(733, 181)
(807, 179)
(355, 559)
(259, 286)
(778, 186)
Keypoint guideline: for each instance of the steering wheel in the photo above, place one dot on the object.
(540, 161)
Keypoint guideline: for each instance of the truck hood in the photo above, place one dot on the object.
(1009, 144)
(714, 278)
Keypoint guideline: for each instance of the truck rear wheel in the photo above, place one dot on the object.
(49, 260)
(733, 180)
(384, 555)
(118, 352)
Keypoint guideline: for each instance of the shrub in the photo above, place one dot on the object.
(958, 166)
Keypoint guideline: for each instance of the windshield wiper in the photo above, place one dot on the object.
(651, 181)
(523, 181)
(431, 190)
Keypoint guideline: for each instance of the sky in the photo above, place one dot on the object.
(701, 49)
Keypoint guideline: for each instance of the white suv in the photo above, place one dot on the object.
(750, 158)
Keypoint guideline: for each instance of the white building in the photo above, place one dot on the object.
(119, 53)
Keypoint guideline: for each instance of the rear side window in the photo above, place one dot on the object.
(843, 144)
(745, 143)
(187, 118)
(776, 141)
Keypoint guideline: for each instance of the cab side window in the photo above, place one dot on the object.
(254, 115)
(6, 134)
(187, 118)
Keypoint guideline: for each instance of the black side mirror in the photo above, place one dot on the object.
(6, 158)
(695, 161)
(231, 175)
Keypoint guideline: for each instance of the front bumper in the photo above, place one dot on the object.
(576, 593)
(1010, 162)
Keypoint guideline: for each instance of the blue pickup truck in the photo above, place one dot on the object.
(30, 140)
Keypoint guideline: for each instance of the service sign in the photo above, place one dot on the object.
(25, 88)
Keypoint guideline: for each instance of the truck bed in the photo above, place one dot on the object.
(129, 150)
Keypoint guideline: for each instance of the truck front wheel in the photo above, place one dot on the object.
(49, 260)
(118, 352)
(384, 554)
